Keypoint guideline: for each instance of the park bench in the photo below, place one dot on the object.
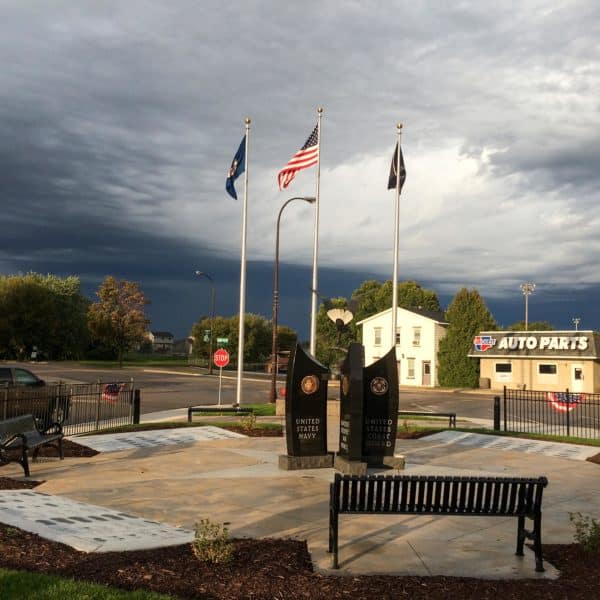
(451, 416)
(23, 433)
(440, 495)
(218, 410)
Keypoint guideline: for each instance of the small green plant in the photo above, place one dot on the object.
(587, 531)
(211, 542)
(248, 422)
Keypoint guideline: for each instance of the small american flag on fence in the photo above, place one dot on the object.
(306, 157)
(111, 391)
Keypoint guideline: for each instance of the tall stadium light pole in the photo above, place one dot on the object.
(576, 321)
(527, 289)
(273, 394)
(212, 317)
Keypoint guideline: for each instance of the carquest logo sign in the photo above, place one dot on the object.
(484, 342)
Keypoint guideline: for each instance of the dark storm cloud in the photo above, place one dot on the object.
(119, 121)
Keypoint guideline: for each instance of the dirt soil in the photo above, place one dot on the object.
(279, 569)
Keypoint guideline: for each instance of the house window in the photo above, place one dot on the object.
(416, 336)
(378, 336)
(397, 336)
(411, 368)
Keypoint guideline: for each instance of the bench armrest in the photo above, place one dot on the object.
(52, 428)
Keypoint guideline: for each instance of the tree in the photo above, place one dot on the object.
(467, 315)
(331, 343)
(42, 311)
(257, 334)
(118, 319)
(374, 297)
(532, 326)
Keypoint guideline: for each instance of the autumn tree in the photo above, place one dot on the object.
(118, 319)
(467, 315)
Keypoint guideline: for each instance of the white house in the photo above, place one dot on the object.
(162, 341)
(418, 335)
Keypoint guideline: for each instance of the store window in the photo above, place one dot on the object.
(398, 336)
(503, 371)
(377, 336)
(411, 368)
(547, 373)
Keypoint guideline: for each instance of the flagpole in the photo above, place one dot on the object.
(396, 236)
(240, 365)
(314, 299)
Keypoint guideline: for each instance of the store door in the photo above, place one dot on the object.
(426, 372)
(576, 379)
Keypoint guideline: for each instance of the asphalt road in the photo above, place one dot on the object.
(180, 387)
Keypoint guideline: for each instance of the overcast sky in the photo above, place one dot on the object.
(119, 121)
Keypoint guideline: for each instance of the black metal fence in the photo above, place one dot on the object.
(80, 408)
(554, 413)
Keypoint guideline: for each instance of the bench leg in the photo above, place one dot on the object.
(520, 535)
(25, 462)
(537, 543)
(333, 540)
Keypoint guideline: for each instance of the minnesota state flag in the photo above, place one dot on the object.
(238, 166)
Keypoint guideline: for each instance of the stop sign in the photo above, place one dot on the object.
(221, 358)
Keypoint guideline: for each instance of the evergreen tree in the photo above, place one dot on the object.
(467, 315)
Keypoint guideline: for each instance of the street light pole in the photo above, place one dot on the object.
(273, 393)
(527, 289)
(212, 317)
(576, 321)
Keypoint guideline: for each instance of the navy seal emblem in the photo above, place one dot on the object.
(379, 386)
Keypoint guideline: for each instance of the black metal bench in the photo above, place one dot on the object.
(217, 410)
(23, 432)
(440, 495)
(451, 416)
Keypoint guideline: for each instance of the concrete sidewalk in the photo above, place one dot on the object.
(237, 481)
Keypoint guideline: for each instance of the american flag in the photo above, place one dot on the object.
(306, 157)
(110, 391)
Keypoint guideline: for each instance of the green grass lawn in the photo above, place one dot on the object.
(535, 436)
(138, 361)
(36, 586)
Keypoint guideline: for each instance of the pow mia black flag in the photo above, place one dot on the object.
(392, 179)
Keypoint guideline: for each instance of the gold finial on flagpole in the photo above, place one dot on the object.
(399, 127)
(320, 110)
(247, 120)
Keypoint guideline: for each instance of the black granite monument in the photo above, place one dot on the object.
(380, 410)
(306, 413)
(368, 413)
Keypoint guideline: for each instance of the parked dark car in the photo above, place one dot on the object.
(23, 392)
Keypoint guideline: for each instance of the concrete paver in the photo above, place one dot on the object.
(237, 481)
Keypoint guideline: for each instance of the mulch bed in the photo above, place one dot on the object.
(279, 569)
(594, 459)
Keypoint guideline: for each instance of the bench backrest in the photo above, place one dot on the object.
(11, 427)
(414, 494)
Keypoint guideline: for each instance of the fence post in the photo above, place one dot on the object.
(137, 401)
(5, 409)
(568, 413)
(496, 413)
(98, 399)
(505, 408)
